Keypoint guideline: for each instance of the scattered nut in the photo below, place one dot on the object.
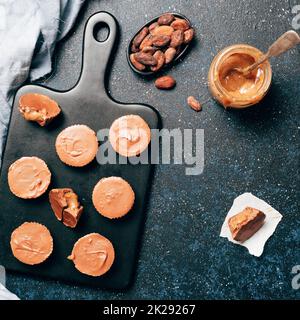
(160, 57)
(165, 83)
(136, 64)
(188, 35)
(161, 41)
(194, 103)
(150, 50)
(165, 19)
(180, 24)
(176, 39)
(153, 26)
(134, 49)
(170, 54)
(147, 42)
(145, 58)
(163, 31)
(140, 37)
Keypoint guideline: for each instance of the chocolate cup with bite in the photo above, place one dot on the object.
(38, 108)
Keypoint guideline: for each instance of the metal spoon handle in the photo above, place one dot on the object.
(284, 43)
(253, 66)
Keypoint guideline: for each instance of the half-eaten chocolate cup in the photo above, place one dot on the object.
(246, 223)
(38, 108)
(65, 205)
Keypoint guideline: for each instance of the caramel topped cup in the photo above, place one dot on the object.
(229, 86)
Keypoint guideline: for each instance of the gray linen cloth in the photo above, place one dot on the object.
(29, 31)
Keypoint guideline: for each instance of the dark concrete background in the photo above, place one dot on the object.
(254, 150)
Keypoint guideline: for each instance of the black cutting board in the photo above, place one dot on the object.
(87, 103)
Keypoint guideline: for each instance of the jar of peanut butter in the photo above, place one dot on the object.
(229, 86)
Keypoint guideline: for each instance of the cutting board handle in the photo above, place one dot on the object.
(96, 55)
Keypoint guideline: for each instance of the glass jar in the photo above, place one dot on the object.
(238, 56)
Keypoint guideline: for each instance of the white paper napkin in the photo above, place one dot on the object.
(256, 243)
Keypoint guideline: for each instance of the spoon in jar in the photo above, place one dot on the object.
(284, 43)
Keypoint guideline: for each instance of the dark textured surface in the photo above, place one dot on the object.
(254, 150)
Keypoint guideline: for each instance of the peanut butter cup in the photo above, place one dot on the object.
(93, 255)
(113, 197)
(77, 145)
(129, 135)
(28, 177)
(31, 243)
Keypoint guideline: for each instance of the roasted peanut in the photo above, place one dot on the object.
(161, 41)
(152, 27)
(194, 103)
(160, 57)
(165, 19)
(150, 50)
(165, 83)
(134, 49)
(147, 42)
(136, 64)
(140, 37)
(180, 24)
(163, 31)
(169, 55)
(145, 58)
(188, 36)
(176, 39)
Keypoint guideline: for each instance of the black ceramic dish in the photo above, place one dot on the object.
(86, 103)
(177, 58)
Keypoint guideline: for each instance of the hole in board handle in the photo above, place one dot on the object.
(101, 31)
